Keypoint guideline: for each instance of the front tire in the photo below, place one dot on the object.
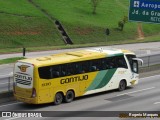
(122, 85)
(58, 99)
(69, 96)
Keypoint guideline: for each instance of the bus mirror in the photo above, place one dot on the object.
(138, 59)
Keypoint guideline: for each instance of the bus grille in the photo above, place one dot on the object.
(24, 82)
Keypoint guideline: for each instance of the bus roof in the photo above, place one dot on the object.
(75, 56)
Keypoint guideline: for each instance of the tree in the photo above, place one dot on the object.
(94, 5)
(122, 22)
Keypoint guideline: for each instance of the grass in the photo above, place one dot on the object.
(10, 60)
(154, 38)
(23, 25)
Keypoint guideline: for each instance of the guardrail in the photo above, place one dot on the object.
(6, 83)
(151, 63)
(150, 60)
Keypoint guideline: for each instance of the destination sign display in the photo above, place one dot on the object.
(145, 11)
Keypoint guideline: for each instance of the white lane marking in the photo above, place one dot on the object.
(10, 104)
(157, 103)
(137, 91)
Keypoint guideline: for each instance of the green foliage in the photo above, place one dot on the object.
(23, 25)
(122, 22)
(94, 5)
(10, 60)
(121, 25)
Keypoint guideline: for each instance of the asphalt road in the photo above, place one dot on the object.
(143, 97)
(138, 48)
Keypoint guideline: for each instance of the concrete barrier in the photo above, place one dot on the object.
(6, 97)
(149, 69)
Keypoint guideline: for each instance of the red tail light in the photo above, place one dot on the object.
(33, 93)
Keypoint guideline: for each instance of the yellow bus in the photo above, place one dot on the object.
(64, 76)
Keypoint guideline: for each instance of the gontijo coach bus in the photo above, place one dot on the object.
(64, 76)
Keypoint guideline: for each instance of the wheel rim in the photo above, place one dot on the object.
(58, 99)
(122, 85)
(69, 96)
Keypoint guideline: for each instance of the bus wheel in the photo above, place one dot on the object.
(69, 96)
(122, 85)
(58, 99)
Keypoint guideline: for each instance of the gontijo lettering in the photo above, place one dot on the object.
(23, 77)
(74, 79)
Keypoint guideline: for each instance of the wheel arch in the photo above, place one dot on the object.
(71, 90)
(124, 81)
(59, 92)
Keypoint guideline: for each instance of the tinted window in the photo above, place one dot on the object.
(44, 72)
(120, 61)
(68, 69)
(56, 71)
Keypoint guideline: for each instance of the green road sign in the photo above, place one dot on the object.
(145, 11)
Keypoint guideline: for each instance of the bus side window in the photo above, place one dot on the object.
(103, 64)
(63, 70)
(45, 72)
(78, 68)
(102, 67)
(55, 70)
(94, 65)
(71, 69)
(85, 66)
(110, 63)
(121, 62)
